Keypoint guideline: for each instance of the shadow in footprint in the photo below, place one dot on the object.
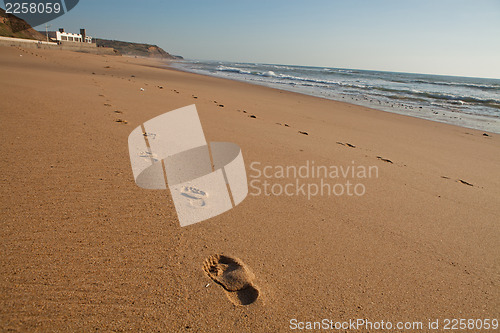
(234, 276)
(465, 183)
(384, 159)
(245, 296)
(346, 144)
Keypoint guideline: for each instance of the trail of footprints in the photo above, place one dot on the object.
(107, 104)
(34, 53)
(347, 144)
(234, 277)
(350, 145)
(220, 105)
(123, 121)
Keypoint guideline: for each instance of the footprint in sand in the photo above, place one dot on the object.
(149, 156)
(346, 144)
(385, 159)
(234, 276)
(149, 135)
(195, 196)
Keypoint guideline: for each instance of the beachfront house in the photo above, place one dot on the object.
(63, 36)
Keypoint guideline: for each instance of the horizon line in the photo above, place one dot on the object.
(357, 69)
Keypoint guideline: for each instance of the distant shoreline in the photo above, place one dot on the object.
(441, 115)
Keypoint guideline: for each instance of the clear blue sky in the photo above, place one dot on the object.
(451, 37)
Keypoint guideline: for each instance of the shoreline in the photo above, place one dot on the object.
(84, 248)
(447, 116)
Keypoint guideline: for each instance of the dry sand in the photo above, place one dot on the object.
(84, 249)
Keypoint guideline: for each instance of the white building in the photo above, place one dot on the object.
(62, 36)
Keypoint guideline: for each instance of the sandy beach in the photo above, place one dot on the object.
(83, 248)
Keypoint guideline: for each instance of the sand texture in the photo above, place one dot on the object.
(83, 248)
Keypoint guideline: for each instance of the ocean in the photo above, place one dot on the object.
(463, 101)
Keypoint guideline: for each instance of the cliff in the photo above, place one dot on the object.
(10, 23)
(135, 49)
